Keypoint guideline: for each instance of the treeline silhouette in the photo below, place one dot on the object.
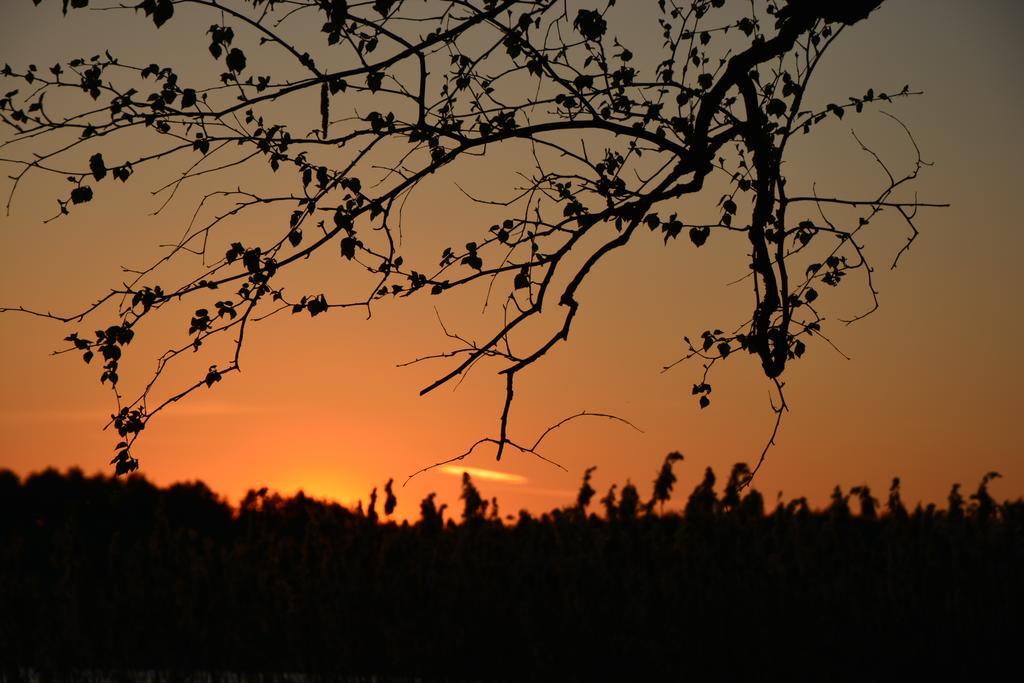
(103, 574)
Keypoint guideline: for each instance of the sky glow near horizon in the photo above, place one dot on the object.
(931, 393)
(483, 474)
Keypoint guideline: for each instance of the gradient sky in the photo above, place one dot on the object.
(931, 393)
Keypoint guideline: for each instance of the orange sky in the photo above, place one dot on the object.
(931, 393)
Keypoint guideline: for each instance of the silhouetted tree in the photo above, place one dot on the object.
(664, 482)
(752, 505)
(431, 517)
(390, 501)
(868, 503)
(629, 502)
(586, 492)
(474, 506)
(703, 500)
(371, 507)
(895, 503)
(956, 503)
(609, 503)
(984, 506)
(839, 507)
(619, 134)
(738, 478)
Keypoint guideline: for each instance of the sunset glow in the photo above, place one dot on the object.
(510, 340)
(930, 391)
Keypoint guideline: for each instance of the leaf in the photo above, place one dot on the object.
(234, 252)
(124, 463)
(76, 4)
(251, 259)
(590, 24)
(188, 98)
(522, 280)
(98, 168)
(295, 237)
(704, 402)
(236, 60)
(343, 220)
(348, 247)
(81, 195)
(122, 172)
(699, 235)
(316, 305)
(160, 10)
(776, 107)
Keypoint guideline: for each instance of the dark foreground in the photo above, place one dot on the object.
(101, 575)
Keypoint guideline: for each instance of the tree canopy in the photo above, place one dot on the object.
(366, 100)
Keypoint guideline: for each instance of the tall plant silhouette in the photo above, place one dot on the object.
(619, 135)
(102, 574)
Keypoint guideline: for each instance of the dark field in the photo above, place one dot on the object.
(100, 575)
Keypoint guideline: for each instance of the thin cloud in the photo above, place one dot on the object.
(486, 475)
